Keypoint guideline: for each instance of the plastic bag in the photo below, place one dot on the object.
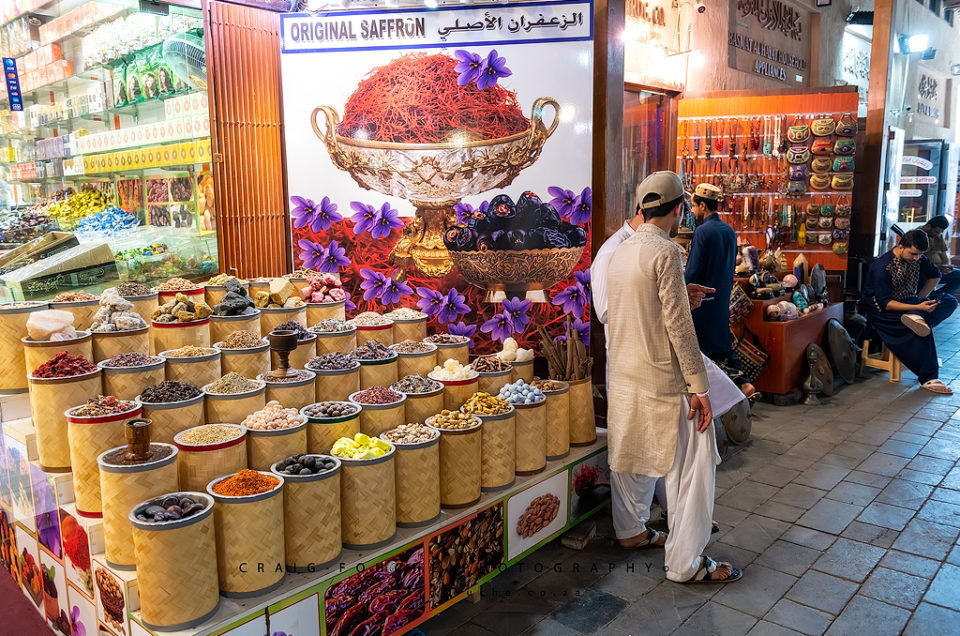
(134, 86)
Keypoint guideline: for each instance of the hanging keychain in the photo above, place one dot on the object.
(708, 140)
(775, 151)
(696, 139)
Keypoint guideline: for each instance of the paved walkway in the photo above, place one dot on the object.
(845, 518)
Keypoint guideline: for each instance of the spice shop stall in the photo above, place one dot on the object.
(360, 444)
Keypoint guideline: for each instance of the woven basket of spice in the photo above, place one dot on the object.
(172, 406)
(209, 451)
(197, 365)
(494, 373)
(13, 328)
(558, 416)
(424, 397)
(231, 398)
(380, 409)
(273, 432)
(368, 495)
(317, 312)
(107, 344)
(36, 352)
(293, 392)
(417, 468)
(125, 375)
(498, 439)
(57, 385)
(82, 310)
(334, 335)
(414, 357)
(408, 324)
(372, 326)
(311, 483)
(451, 346)
(329, 421)
(460, 457)
(244, 352)
(173, 335)
(338, 375)
(223, 326)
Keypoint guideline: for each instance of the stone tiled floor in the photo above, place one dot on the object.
(844, 517)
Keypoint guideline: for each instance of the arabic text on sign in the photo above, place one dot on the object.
(910, 194)
(919, 162)
(774, 16)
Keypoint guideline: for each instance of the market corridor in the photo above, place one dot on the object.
(844, 516)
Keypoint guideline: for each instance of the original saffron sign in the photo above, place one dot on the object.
(768, 38)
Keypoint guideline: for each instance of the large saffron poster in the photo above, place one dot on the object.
(440, 159)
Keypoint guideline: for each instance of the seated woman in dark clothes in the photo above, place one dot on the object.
(896, 302)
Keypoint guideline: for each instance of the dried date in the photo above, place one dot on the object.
(462, 556)
(538, 515)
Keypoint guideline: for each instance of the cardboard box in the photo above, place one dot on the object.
(39, 248)
(79, 267)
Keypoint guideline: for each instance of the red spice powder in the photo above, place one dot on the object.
(416, 99)
(77, 548)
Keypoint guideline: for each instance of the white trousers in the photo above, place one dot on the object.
(689, 489)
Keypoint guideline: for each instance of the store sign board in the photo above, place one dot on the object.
(930, 95)
(770, 38)
(651, 57)
(383, 196)
(12, 80)
(918, 180)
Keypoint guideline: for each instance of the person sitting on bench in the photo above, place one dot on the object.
(898, 308)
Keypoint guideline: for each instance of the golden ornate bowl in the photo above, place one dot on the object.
(517, 270)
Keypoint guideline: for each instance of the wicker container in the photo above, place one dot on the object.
(498, 450)
(202, 463)
(292, 395)
(419, 406)
(144, 304)
(583, 427)
(379, 418)
(298, 284)
(223, 326)
(164, 552)
(127, 383)
(312, 541)
(13, 328)
(36, 352)
(325, 311)
(82, 310)
(322, 432)
(492, 381)
(456, 392)
(50, 398)
(460, 465)
(247, 362)
(264, 448)
(258, 285)
(368, 501)
(531, 437)
(213, 294)
(558, 421)
(173, 335)
(378, 372)
(417, 469)
(168, 295)
(89, 437)
(233, 408)
(341, 342)
(169, 418)
(459, 351)
(416, 363)
(249, 531)
(199, 370)
(381, 333)
(122, 487)
(522, 371)
(107, 344)
(415, 329)
(305, 352)
(270, 318)
(337, 384)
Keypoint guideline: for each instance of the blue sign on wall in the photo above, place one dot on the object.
(12, 81)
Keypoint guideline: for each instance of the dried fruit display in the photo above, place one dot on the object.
(461, 556)
(181, 189)
(111, 598)
(538, 515)
(380, 600)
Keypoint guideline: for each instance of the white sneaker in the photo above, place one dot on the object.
(916, 324)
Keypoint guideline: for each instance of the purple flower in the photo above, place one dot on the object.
(431, 301)
(517, 310)
(387, 221)
(324, 215)
(462, 329)
(76, 626)
(373, 285)
(564, 201)
(312, 254)
(465, 212)
(348, 305)
(333, 257)
(492, 69)
(573, 299)
(394, 290)
(500, 327)
(581, 212)
(583, 329)
(365, 219)
(302, 212)
(469, 66)
(583, 277)
(453, 306)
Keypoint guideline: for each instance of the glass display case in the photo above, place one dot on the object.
(105, 133)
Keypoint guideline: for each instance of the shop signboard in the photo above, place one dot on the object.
(441, 159)
(770, 38)
(929, 95)
(653, 54)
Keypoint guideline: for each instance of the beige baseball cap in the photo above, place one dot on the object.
(665, 184)
(708, 191)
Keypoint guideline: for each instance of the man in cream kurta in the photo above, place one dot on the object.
(659, 404)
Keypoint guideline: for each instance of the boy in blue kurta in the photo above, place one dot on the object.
(897, 304)
(712, 259)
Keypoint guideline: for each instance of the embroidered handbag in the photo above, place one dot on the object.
(811, 222)
(820, 165)
(843, 164)
(798, 154)
(842, 182)
(828, 209)
(840, 234)
(825, 238)
(822, 147)
(842, 222)
(823, 127)
(840, 248)
(844, 146)
(813, 209)
(798, 172)
(844, 208)
(796, 189)
(740, 304)
(847, 126)
(752, 356)
(820, 181)
(825, 222)
(798, 133)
